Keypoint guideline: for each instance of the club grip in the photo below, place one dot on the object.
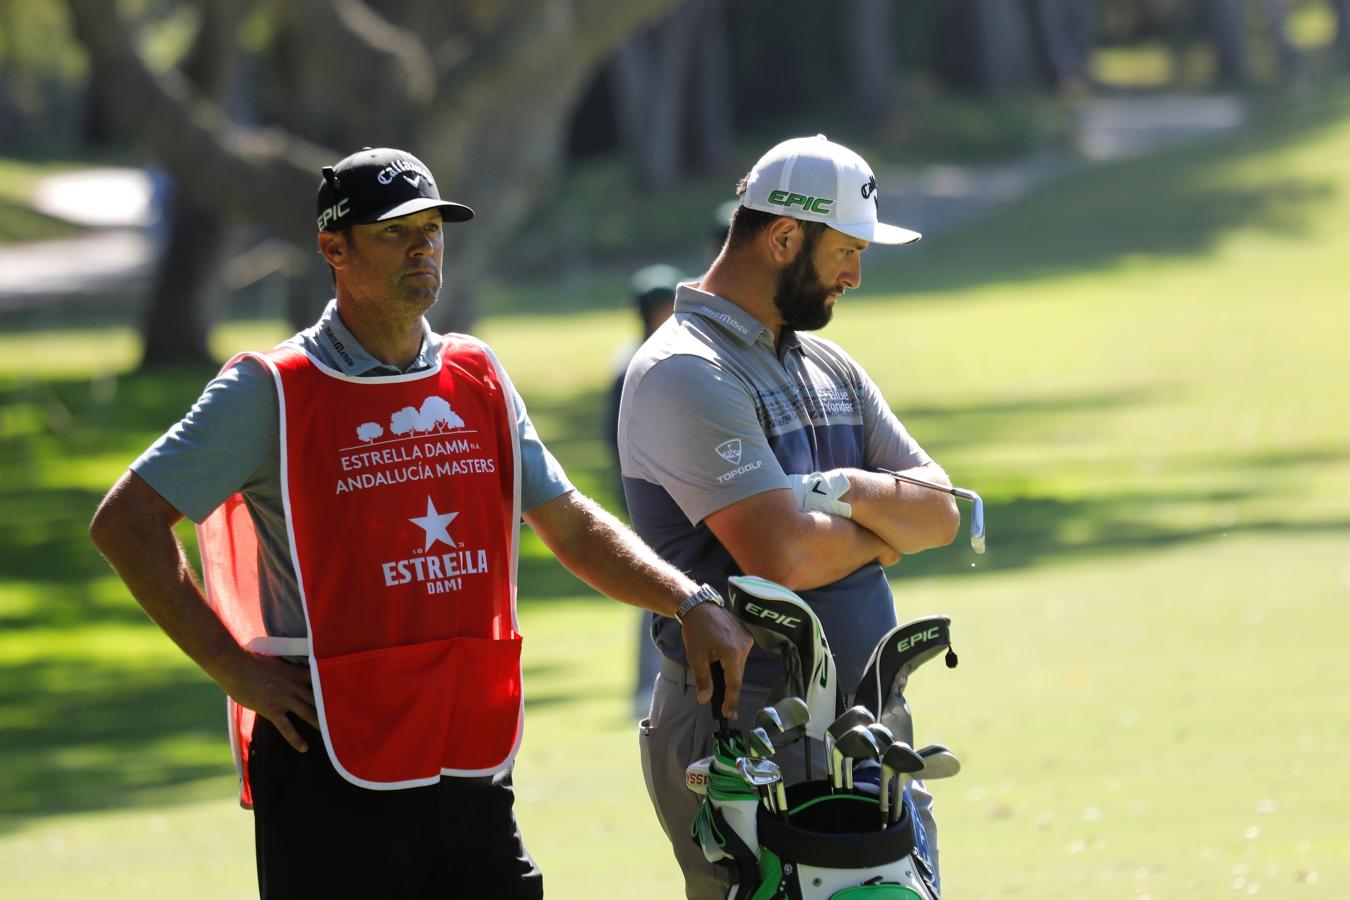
(719, 694)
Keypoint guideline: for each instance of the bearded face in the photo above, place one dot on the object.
(801, 295)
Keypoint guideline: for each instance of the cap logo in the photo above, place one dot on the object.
(819, 205)
(398, 167)
(870, 188)
(334, 212)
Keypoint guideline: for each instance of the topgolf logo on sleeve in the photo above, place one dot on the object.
(730, 450)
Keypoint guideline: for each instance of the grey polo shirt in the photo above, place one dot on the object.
(230, 442)
(712, 413)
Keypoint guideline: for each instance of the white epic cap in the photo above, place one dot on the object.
(814, 179)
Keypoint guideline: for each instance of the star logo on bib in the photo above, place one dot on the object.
(435, 525)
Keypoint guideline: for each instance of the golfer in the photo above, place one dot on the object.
(359, 489)
(748, 445)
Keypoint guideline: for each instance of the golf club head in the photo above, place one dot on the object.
(976, 523)
(900, 757)
(977, 505)
(769, 720)
(758, 772)
(943, 764)
(853, 717)
(781, 623)
(792, 712)
(976, 517)
(857, 743)
(883, 735)
(895, 657)
(933, 748)
(760, 743)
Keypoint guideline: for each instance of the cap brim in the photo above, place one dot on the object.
(878, 232)
(450, 212)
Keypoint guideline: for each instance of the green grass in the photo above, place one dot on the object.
(1142, 372)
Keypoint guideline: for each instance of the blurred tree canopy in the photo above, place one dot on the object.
(243, 101)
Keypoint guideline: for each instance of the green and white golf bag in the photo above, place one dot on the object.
(818, 845)
(811, 840)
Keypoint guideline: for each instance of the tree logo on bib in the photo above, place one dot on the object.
(434, 415)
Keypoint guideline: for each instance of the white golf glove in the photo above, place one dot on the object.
(821, 491)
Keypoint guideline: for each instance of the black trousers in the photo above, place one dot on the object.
(318, 835)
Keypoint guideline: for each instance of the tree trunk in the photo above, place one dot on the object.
(869, 57)
(177, 322)
(710, 119)
(1341, 40)
(1227, 28)
(1064, 38)
(986, 45)
(1277, 20)
(652, 76)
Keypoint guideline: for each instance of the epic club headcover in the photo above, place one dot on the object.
(897, 655)
(782, 623)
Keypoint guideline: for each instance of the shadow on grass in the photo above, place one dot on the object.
(81, 732)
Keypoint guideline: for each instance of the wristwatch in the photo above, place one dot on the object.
(704, 594)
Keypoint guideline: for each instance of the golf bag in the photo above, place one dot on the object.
(813, 840)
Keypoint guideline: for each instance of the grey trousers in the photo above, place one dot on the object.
(679, 731)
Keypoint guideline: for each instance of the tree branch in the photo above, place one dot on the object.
(261, 174)
(383, 70)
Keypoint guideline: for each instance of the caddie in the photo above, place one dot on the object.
(359, 490)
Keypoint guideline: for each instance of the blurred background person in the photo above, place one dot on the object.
(653, 294)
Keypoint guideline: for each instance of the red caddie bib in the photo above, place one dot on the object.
(402, 501)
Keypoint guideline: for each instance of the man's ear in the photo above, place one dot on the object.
(333, 247)
(783, 236)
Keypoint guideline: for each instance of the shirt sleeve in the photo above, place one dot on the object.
(886, 442)
(690, 427)
(541, 475)
(224, 444)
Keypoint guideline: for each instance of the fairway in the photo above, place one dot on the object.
(1142, 371)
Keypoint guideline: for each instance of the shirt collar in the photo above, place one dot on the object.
(727, 315)
(344, 351)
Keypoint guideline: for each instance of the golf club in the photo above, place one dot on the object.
(898, 757)
(760, 744)
(792, 712)
(856, 716)
(769, 719)
(938, 762)
(856, 743)
(883, 735)
(783, 624)
(765, 776)
(896, 656)
(976, 511)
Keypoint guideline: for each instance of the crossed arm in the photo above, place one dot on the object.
(768, 534)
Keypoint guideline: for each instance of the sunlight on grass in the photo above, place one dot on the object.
(1141, 371)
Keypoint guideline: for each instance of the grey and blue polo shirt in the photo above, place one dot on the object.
(230, 442)
(713, 412)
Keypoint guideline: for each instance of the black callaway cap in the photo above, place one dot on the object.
(375, 184)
